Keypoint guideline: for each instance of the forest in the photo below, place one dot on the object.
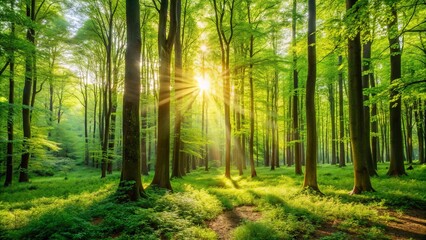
(215, 119)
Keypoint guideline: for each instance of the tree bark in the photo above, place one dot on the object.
(10, 113)
(366, 129)
(375, 150)
(356, 114)
(296, 135)
(251, 85)
(225, 41)
(310, 180)
(26, 118)
(342, 160)
(396, 167)
(418, 115)
(165, 45)
(130, 180)
(179, 88)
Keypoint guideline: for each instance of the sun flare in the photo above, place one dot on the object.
(203, 85)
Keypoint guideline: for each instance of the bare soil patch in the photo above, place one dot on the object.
(408, 225)
(411, 224)
(228, 220)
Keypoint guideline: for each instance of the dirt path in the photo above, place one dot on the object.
(408, 225)
(228, 220)
(403, 226)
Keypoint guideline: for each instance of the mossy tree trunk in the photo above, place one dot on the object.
(165, 46)
(130, 180)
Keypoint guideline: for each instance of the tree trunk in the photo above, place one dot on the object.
(165, 45)
(179, 94)
(225, 42)
(366, 129)
(26, 118)
(10, 113)
(310, 180)
(409, 132)
(418, 115)
(131, 171)
(333, 123)
(356, 114)
(374, 126)
(252, 120)
(342, 160)
(296, 135)
(396, 167)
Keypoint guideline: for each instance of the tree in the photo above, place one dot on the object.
(295, 107)
(356, 116)
(179, 89)
(251, 138)
(396, 167)
(26, 95)
(341, 119)
(165, 46)
(10, 113)
(310, 180)
(225, 35)
(130, 180)
(365, 86)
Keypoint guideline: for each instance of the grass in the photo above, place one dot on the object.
(80, 205)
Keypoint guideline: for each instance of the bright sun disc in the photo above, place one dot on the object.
(204, 85)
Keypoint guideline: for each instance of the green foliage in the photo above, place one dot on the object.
(257, 231)
(86, 207)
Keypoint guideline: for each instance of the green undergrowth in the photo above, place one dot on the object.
(80, 205)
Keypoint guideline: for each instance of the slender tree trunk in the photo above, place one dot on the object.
(374, 126)
(409, 132)
(342, 160)
(418, 115)
(179, 94)
(131, 171)
(296, 135)
(333, 124)
(165, 45)
(310, 180)
(144, 100)
(26, 118)
(396, 167)
(10, 113)
(356, 114)
(365, 85)
(225, 42)
(86, 127)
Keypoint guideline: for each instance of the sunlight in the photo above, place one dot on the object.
(203, 84)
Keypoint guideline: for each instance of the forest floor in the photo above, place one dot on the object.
(77, 204)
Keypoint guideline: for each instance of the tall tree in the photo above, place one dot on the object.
(130, 180)
(179, 94)
(365, 85)
(356, 114)
(418, 115)
(26, 96)
(225, 34)
(341, 119)
(165, 46)
(396, 167)
(10, 113)
(252, 132)
(310, 180)
(295, 107)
